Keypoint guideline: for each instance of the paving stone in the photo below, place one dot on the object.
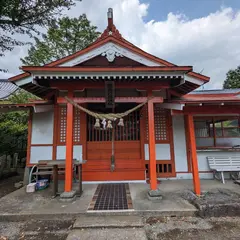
(108, 234)
(108, 221)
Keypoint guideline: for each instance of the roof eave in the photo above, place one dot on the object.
(32, 69)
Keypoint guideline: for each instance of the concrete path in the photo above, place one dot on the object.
(172, 204)
(108, 221)
(22, 206)
(108, 234)
(108, 227)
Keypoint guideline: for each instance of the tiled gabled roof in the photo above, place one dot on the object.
(6, 88)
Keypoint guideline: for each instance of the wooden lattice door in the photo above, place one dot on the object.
(163, 138)
(127, 147)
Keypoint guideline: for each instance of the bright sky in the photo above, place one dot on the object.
(202, 33)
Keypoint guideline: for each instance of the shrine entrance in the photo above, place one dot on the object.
(119, 145)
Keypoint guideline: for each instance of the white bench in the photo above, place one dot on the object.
(225, 164)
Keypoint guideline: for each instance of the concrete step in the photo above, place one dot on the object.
(21, 216)
(108, 222)
(108, 234)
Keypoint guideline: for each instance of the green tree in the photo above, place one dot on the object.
(24, 17)
(14, 125)
(65, 37)
(233, 79)
(21, 96)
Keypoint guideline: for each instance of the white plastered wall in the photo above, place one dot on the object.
(40, 153)
(42, 128)
(42, 133)
(179, 141)
(162, 151)
(180, 151)
(77, 152)
(204, 170)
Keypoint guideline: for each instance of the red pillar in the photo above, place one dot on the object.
(193, 150)
(151, 146)
(69, 147)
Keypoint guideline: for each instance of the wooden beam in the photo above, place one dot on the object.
(212, 109)
(188, 150)
(184, 88)
(193, 149)
(173, 106)
(43, 108)
(78, 85)
(176, 112)
(30, 118)
(69, 146)
(174, 93)
(151, 145)
(55, 131)
(62, 100)
(106, 69)
(208, 109)
(50, 94)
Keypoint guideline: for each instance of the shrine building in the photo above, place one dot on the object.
(140, 117)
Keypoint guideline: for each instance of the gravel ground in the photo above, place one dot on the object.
(184, 228)
(7, 185)
(35, 230)
(193, 228)
(215, 203)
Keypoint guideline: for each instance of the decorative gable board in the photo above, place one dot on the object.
(101, 61)
(110, 51)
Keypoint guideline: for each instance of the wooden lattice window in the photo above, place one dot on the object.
(76, 126)
(63, 125)
(163, 169)
(161, 116)
(146, 121)
(161, 127)
(129, 132)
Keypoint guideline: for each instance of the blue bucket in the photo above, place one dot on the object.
(42, 184)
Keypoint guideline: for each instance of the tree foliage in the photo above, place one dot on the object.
(14, 125)
(232, 79)
(25, 17)
(21, 96)
(65, 37)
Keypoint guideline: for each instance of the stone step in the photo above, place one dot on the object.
(107, 234)
(108, 221)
